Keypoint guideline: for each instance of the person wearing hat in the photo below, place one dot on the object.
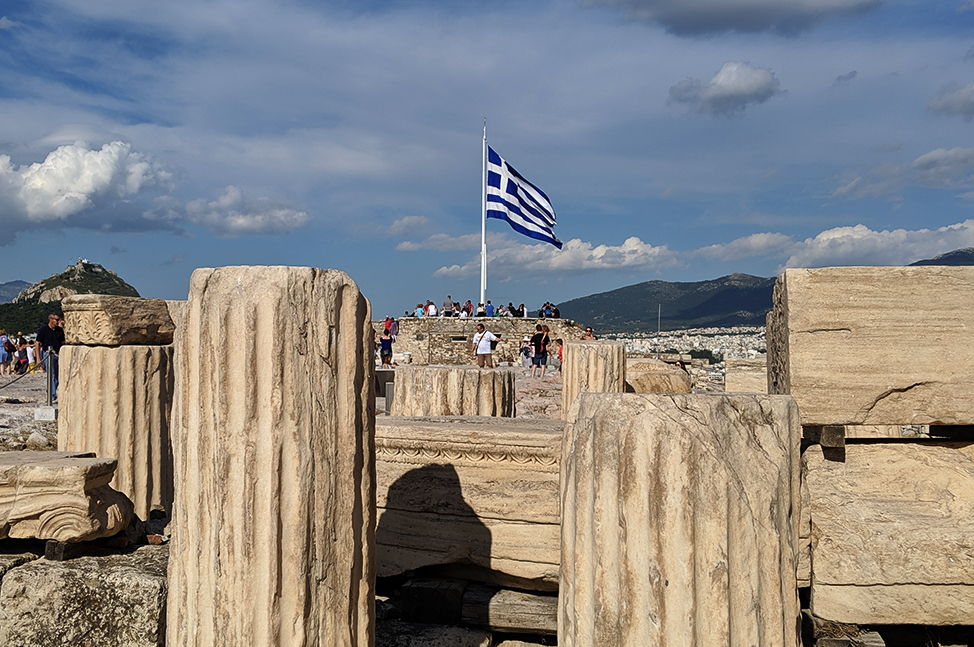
(526, 352)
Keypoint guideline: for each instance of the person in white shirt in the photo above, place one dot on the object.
(481, 346)
(430, 309)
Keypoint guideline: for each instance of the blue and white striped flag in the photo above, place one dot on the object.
(524, 206)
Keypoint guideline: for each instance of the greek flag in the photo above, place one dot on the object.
(524, 206)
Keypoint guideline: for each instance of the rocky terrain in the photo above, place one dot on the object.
(19, 396)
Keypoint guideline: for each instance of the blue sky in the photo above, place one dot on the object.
(677, 139)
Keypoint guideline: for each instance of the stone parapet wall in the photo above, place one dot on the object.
(447, 340)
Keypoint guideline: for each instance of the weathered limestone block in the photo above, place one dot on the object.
(176, 308)
(109, 320)
(679, 521)
(593, 366)
(892, 533)
(453, 391)
(273, 445)
(59, 495)
(114, 601)
(656, 376)
(746, 375)
(874, 345)
(117, 401)
(473, 491)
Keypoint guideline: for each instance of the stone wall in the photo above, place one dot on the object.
(447, 340)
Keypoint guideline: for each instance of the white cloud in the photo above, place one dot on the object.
(715, 16)
(575, 257)
(406, 225)
(74, 178)
(7, 23)
(729, 92)
(954, 100)
(447, 243)
(232, 214)
(764, 244)
(941, 168)
(860, 245)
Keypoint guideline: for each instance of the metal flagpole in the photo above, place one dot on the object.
(483, 224)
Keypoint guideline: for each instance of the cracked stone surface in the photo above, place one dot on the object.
(874, 345)
(891, 533)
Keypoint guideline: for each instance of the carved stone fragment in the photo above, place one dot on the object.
(273, 446)
(117, 402)
(453, 391)
(59, 495)
(874, 345)
(108, 320)
(892, 536)
(472, 491)
(656, 376)
(679, 521)
(592, 366)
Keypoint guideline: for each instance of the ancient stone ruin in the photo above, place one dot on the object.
(835, 511)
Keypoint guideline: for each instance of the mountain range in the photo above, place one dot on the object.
(733, 300)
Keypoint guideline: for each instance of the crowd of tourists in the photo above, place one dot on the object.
(19, 355)
(451, 308)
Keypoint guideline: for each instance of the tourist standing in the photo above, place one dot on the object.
(7, 348)
(481, 346)
(50, 338)
(489, 309)
(525, 352)
(539, 342)
(447, 309)
(385, 349)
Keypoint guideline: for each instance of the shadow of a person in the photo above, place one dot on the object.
(425, 521)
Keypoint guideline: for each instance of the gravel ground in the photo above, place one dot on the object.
(18, 399)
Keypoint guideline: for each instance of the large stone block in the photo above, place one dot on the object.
(469, 491)
(679, 521)
(656, 376)
(108, 320)
(874, 345)
(453, 391)
(892, 536)
(592, 366)
(746, 375)
(117, 402)
(59, 495)
(114, 601)
(273, 446)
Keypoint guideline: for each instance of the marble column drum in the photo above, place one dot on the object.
(117, 402)
(679, 521)
(592, 366)
(273, 440)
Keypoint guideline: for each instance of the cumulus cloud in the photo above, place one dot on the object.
(954, 100)
(74, 178)
(690, 17)
(233, 214)
(729, 92)
(764, 244)
(407, 225)
(575, 257)
(860, 245)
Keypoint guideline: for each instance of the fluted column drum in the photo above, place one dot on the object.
(273, 440)
(679, 521)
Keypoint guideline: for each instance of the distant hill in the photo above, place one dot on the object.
(957, 257)
(10, 289)
(30, 308)
(733, 300)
